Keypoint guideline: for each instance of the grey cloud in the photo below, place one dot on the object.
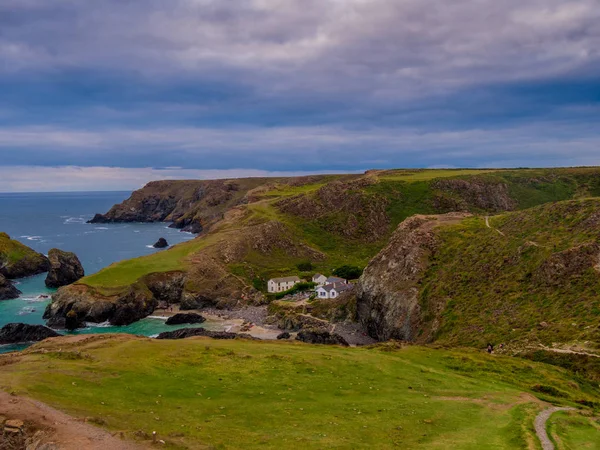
(385, 48)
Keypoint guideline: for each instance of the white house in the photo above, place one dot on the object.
(282, 284)
(333, 290)
(321, 280)
(335, 280)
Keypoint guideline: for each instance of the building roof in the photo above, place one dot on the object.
(331, 280)
(338, 287)
(284, 279)
(318, 275)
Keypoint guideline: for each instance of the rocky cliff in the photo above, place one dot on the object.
(190, 205)
(522, 278)
(65, 268)
(18, 261)
(388, 291)
(7, 290)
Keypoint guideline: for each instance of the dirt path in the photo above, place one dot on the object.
(64, 431)
(565, 350)
(540, 426)
(487, 224)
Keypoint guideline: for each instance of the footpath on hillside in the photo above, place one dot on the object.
(34, 425)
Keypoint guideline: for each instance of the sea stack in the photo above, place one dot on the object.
(65, 268)
(7, 290)
(161, 243)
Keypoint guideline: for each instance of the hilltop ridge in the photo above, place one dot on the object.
(254, 229)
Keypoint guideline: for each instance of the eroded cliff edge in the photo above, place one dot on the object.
(388, 291)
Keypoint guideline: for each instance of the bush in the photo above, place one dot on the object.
(348, 272)
(298, 287)
(305, 266)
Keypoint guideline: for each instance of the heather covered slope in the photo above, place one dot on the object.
(255, 229)
(200, 393)
(521, 278)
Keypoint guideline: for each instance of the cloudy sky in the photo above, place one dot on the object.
(109, 94)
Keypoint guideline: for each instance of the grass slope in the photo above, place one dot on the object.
(405, 192)
(572, 431)
(493, 287)
(202, 393)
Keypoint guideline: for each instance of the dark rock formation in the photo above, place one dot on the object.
(14, 333)
(28, 263)
(65, 268)
(161, 243)
(317, 336)
(464, 195)
(388, 291)
(182, 318)
(132, 304)
(135, 303)
(190, 332)
(191, 206)
(7, 290)
(284, 335)
(569, 263)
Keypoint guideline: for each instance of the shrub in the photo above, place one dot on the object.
(305, 266)
(348, 272)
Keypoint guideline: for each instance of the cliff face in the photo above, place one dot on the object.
(388, 291)
(191, 205)
(18, 260)
(7, 290)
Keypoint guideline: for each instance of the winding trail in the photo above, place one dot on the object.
(540, 426)
(487, 224)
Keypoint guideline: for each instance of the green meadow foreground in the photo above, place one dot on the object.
(202, 393)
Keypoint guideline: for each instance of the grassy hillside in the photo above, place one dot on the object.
(202, 393)
(349, 219)
(17, 260)
(530, 277)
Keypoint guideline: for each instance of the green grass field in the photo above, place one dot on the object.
(202, 393)
(572, 431)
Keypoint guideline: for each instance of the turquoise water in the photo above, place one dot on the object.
(46, 220)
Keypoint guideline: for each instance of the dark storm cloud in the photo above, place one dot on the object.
(281, 85)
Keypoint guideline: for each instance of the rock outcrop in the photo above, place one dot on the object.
(569, 263)
(135, 303)
(123, 308)
(161, 243)
(65, 268)
(388, 291)
(182, 318)
(318, 336)
(192, 206)
(191, 332)
(18, 261)
(465, 195)
(15, 333)
(7, 290)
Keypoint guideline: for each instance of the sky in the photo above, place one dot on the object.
(110, 94)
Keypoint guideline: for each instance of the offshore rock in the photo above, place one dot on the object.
(7, 290)
(15, 333)
(65, 268)
(182, 318)
(161, 243)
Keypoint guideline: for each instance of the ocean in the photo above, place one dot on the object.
(46, 220)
